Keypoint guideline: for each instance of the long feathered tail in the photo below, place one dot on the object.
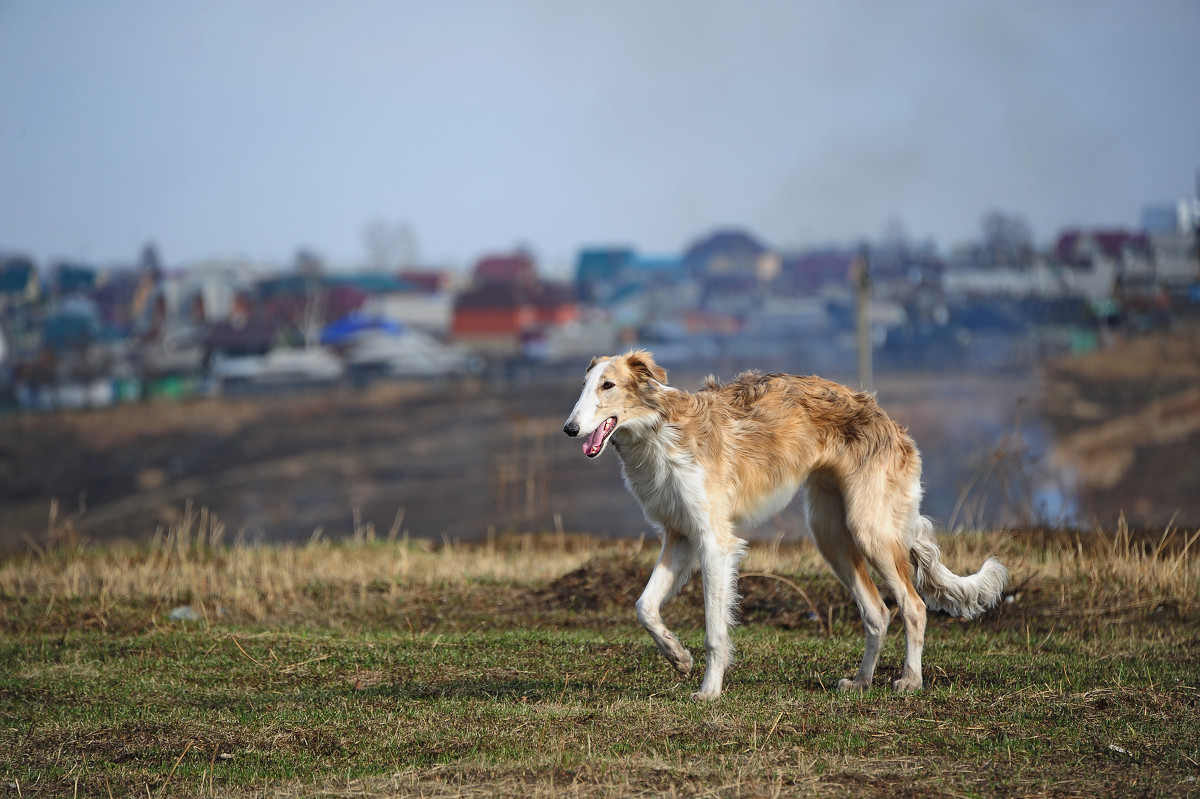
(942, 589)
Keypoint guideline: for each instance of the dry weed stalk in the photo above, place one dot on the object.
(1123, 570)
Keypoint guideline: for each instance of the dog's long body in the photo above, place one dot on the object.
(704, 464)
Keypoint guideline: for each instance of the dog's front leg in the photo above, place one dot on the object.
(675, 564)
(719, 562)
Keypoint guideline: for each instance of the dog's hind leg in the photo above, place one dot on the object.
(675, 564)
(883, 521)
(720, 558)
(827, 520)
(896, 572)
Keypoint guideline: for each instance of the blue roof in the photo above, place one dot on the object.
(353, 325)
(657, 263)
(372, 283)
(15, 274)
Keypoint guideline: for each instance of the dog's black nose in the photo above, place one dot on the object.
(571, 429)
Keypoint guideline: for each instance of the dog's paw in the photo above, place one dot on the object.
(706, 696)
(909, 683)
(683, 663)
(853, 686)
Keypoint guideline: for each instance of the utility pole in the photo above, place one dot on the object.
(860, 279)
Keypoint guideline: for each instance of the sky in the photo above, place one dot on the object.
(251, 129)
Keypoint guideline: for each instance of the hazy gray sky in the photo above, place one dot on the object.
(253, 128)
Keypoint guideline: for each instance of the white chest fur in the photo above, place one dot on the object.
(667, 481)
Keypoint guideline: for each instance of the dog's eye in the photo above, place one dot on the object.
(607, 384)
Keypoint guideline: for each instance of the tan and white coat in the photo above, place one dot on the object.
(705, 464)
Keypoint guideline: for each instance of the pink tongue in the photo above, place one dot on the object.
(595, 439)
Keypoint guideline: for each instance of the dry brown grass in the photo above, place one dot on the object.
(192, 562)
(1083, 572)
(1124, 574)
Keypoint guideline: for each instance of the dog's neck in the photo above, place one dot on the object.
(645, 445)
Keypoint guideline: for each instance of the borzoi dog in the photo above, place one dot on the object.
(732, 455)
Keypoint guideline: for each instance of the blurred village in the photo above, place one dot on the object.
(80, 335)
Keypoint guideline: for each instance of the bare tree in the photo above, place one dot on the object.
(311, 267)
(895, 238)
(390, 245)
(1007, 241)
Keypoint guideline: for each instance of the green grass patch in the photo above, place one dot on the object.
(502, 686)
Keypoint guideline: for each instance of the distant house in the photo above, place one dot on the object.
(507, 304)
(299, 306)
(1176, 258)
(494, 318)
(805, 274)
(635, 289)
(72, 279)
(514, 269)
(238, 337)
(731, 253)
(129, 299)
(1102, 263)
(412, 298)
(734, 269)
(371, 282)
(18, 282)
(555, 304)
(1081, 249)
(71, 327)
(198, 296)
(739, 295)
(429, 281)
(656, 269)
(1173, 228)
(496, 310)
(598, 271)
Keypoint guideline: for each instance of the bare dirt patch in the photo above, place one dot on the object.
(455, 460)
(461, 460)
(1127, 421)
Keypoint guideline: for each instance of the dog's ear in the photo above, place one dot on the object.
(643, 365)
(597, 359)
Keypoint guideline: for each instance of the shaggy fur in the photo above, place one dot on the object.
(705, 464)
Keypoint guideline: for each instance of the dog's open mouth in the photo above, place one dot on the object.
(595, 440)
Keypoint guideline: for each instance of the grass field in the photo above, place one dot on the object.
(516, 668)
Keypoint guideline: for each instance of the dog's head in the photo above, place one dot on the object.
(618, 391)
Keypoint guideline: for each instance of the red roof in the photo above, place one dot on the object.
(1064, 248)
(425, 280)
(516, 268)
(509, 295)
(1113, 243)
